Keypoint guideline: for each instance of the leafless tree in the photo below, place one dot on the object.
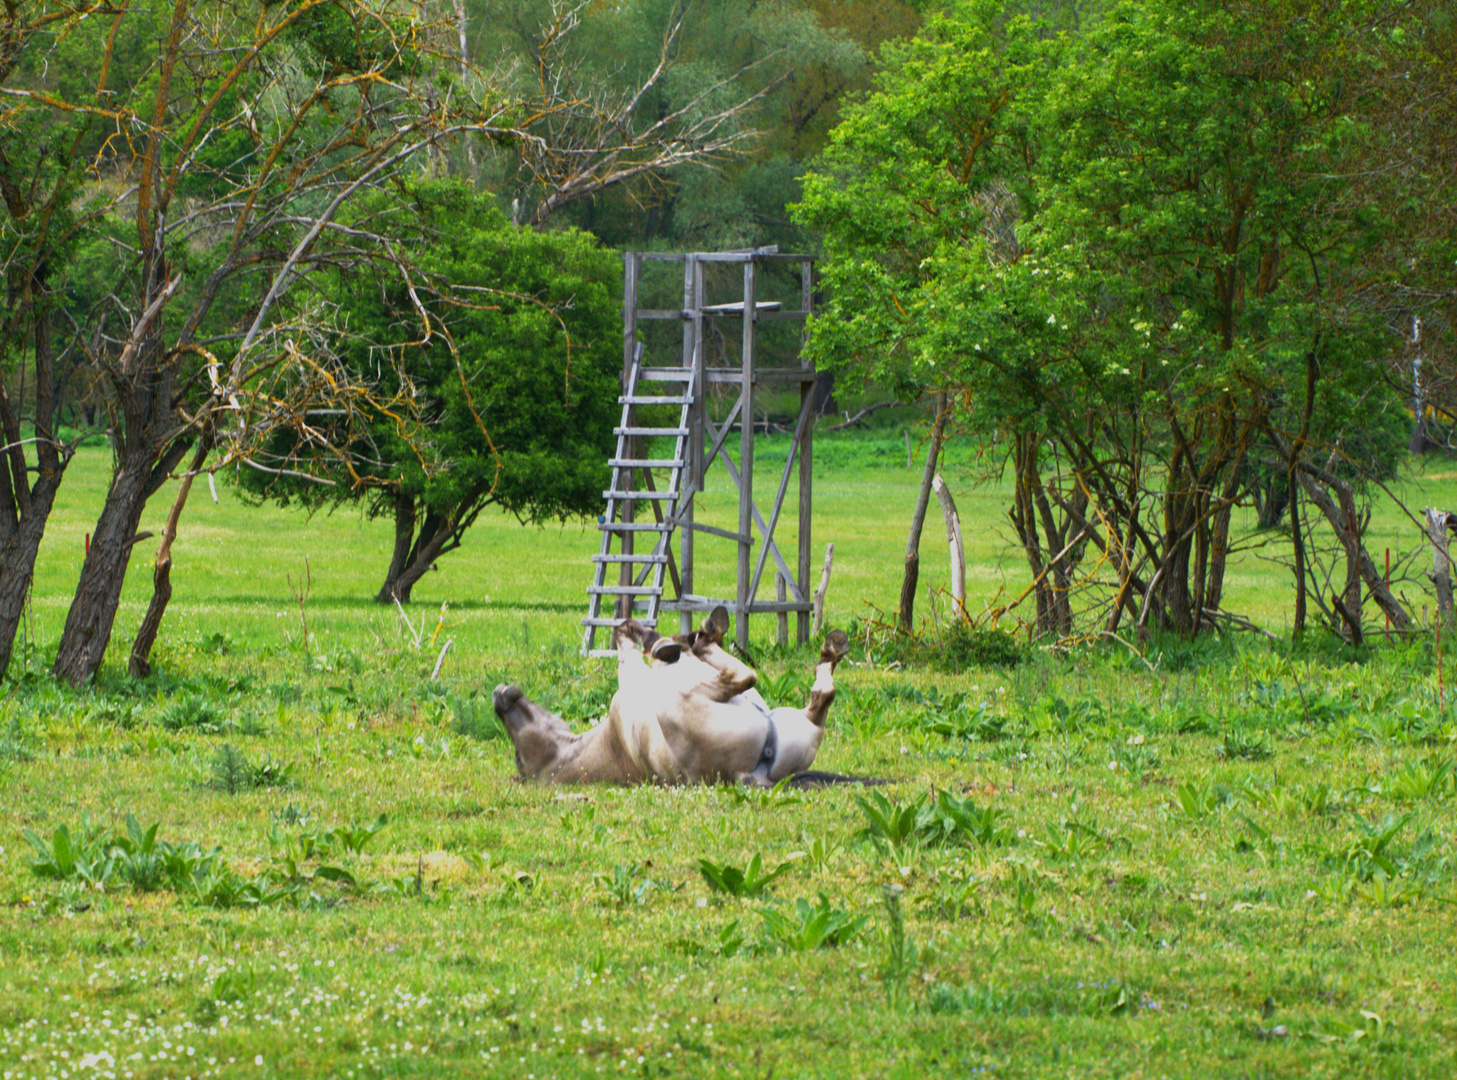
(589, 133)
(260, 143)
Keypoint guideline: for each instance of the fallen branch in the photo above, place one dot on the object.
(441, 658)
(1238, 621)
(1130, 648)
(409, 625)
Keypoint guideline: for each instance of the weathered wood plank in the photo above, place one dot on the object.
(794, 445)
(746, 454)
(806, 450)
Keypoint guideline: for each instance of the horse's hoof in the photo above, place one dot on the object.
(837, 644)
(505, 697)
(629, 630)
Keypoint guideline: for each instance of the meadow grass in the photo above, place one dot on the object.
(1238, 863)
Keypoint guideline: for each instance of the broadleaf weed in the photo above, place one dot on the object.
(751, 881)
(810, 926)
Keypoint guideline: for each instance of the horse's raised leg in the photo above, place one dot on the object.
(631, 671)
(660, 648)
(822, 693)
(734, 676)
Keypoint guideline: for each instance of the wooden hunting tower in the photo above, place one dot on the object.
(680, 405)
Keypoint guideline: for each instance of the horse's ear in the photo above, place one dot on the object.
(715, 626)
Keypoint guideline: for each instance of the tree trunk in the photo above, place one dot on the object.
(1219, 537)
(1198, 586)
(24, 507)
(1292, 486)
(1297, 542)
(1350, 607)
(139, 663)
(1272, 497)
(438, 534)
(148, 446)
(1061, 570)
(918, 519)
(404, 537)
(1349, 530)
(470, 146)
(953, 542)
(1180, 513)
(1175, 586)
(1438, 522)
(93, 607)
(17, 564)
(1024, 520)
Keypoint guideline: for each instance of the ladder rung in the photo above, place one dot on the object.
(625, 590)
(649, 374)
(645, 463)
(602, 652)
(650, 431)
(641, 496)
(630, 558)
(614, 622)
(653, 399)
(631, 526)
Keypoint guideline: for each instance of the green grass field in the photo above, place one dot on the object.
(1239, 863)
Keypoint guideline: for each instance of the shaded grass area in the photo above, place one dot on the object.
(1237, 863)
(243, 570)
(251, 572)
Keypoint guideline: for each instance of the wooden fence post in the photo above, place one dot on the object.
(819, 598)
(953, 540)
(1438, 522)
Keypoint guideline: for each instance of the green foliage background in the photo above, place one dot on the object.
(514, 395)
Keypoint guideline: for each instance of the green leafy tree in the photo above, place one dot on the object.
(921, 185)
(508, 342)
(1128, 249)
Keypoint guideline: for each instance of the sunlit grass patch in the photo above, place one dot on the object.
(1240, 861)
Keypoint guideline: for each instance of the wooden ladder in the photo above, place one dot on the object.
(639, 589)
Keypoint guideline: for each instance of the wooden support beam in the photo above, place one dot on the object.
(758, 607)
(746, 454)
(799, 430)
(692, 478)
(782, 630)
(658, 517)
(631, 357)
(774, 552)
(806, 449)
(723, 534)
(720, 435)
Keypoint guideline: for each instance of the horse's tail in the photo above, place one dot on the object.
(815, 778)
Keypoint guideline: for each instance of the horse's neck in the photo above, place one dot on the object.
(594, 757)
